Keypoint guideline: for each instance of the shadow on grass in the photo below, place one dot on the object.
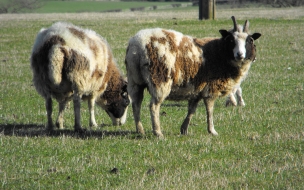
(33, 130)
(173, 105)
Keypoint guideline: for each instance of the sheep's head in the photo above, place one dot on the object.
(239, 43)
(115, 103)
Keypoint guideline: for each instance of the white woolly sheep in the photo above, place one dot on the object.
(73, 63)
(177, 67)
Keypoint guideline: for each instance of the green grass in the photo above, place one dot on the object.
(259, 146)
(94, 6)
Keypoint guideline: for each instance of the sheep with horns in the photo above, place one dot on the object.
(178, 67)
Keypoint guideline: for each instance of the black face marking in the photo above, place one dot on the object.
(117, 108)
(229, 45)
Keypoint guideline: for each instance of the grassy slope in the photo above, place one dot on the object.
(259, 146)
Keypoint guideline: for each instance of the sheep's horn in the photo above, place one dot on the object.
(234, 23)
(246, 26)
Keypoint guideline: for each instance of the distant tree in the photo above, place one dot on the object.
(17, 6)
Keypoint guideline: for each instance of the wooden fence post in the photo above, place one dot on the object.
(206, 9)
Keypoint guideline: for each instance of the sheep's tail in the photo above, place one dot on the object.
(56, 61)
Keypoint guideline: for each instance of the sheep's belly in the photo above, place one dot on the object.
(182, 93)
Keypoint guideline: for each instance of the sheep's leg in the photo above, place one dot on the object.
(192, 105)
(231, 101)
(154, 110)
(137, 94)
(91, 103)
(209, 103)
(239, 97)
(77, 103)
(49, 111)
(59, 122)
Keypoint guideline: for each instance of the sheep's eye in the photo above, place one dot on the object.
(124, 94)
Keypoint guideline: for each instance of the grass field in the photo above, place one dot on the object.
(97, 6)
(259, 146)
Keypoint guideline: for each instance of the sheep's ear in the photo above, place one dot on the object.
(224, 33)
(255, 36)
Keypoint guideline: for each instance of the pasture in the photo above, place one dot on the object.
(259, 146)
(99, 6)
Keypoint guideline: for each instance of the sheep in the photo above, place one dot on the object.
(69, 62)
(235, 97)
(178, 67)
(237, 90)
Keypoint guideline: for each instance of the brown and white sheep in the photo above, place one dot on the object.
(68, 63)
(176, 67)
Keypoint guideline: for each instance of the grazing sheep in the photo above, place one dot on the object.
(73, 63)
(176, 67)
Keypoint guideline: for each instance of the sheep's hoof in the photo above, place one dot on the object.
(59, 125)
(158, 134)
(93, 126)
(230, 103)
(184, 131)
(242, 103)
(140, 129)
(213, 132)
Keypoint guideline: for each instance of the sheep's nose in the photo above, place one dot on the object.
(240, 55)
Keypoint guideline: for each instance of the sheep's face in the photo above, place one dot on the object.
(250, 46)
(116, 105)
(239, 43)
(239, 50)
(234, 45)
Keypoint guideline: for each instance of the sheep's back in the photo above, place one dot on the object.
(168, 56)
(77, 57)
